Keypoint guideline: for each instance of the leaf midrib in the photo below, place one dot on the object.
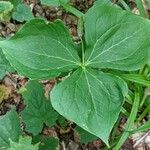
(88, 62)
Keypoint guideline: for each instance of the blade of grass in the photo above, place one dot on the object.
(142, 128)
(141, 8)
(123, 3)
(124, 111)
(143, 100)
(148, 2)
(130, 122)
(136, 78)
(146, 110)
(72, 10)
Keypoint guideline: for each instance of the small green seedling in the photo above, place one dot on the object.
(16, 10)
(5, 10)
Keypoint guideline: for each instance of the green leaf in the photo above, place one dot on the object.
(23, 144)
(22, 13)
(91, 99)
(15, 2)
(102, 2)
(53, 2)
(38, 110)
(49, 51)
(137, 78)
(5, 6)
(115, 38)
(4, 65)
(46, 143)
(85, 137)
(5, 10)
(9, 128)
(62, 122)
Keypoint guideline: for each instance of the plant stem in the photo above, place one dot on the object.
(124, 111)
(114, 130)
(146, 110)
(124, 5)
(130, 122)
(139, 79)
(142, 70)
(72, 10)
(141, 8)
(129, 99)
(80, 27)
(148, 2)
(143, 100)
(80, 30)
(82, 52)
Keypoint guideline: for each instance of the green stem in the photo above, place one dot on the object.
(130, 122)
(124, 111)
(114, 130)
(141, 8)
(80, 27)
(143, 100)
(148, 2)
(124, 5)
(139, 79)
(82, 52)
(146, 110)
(72, 10)
(80, 30)
(129, 99)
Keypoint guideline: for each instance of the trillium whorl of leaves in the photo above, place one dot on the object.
(114, 39)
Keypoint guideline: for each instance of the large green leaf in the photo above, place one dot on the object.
(23, 144)
(115, 38)
(38, 110)
(91, 99)
(4, 65)
(53, 2)
(41, 49)
(9, 128)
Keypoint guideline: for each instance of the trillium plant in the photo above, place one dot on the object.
(92, 94)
